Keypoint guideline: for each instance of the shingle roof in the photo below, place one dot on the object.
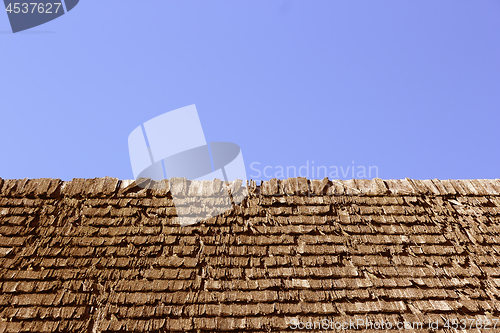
(103, 255)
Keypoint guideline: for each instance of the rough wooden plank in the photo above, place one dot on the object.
(399, 187)
(270, 187)
(102, 187)
(74, 188)
(394, 238)
(431, 187)
(367, 186)
(11, 187)
(458, 187)
(468, 186)
(490, 186)
(441, 188)
(319, 186)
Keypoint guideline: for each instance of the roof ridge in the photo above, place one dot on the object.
(109, 186)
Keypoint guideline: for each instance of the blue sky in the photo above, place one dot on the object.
(411, 87)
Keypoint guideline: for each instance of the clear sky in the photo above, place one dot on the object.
(410, 87)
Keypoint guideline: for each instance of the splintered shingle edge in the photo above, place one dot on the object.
(108, 255)
(106, 187)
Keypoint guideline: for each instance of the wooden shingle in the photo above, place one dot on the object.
(108, 253)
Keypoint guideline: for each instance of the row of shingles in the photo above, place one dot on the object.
(24, 201)
(476, 216)
(76, 188)
(90, 243)
(20, 204)
(294, 283)
(395, 282)
(212, 310)
(158, 287)
(438, 304)
(479, 214)
(434, 304)
(48, 209)
(184, 250)
(33, 295)
(481, 192)
(146, 266)
(161, 280)
(373, 239)
(95, 187)
(463, 275)
(44, 326)
(303, 186)
(258, 323)
(76, 191)
(430, 243)
(197, 324)
(426, 187)
(156, 283)
(243, 280)
(440, 240)
(247, 310)
(300, 283)
(292, 186)
(73, 191)
(171, 304)
(313, 220)
(83, 188)
(473, 291)
(124, 266)
(15, 292)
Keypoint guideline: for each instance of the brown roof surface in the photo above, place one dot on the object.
(103, 255)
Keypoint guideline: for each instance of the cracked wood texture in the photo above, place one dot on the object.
(104, 255)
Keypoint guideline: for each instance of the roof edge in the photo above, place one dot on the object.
(111, 187)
